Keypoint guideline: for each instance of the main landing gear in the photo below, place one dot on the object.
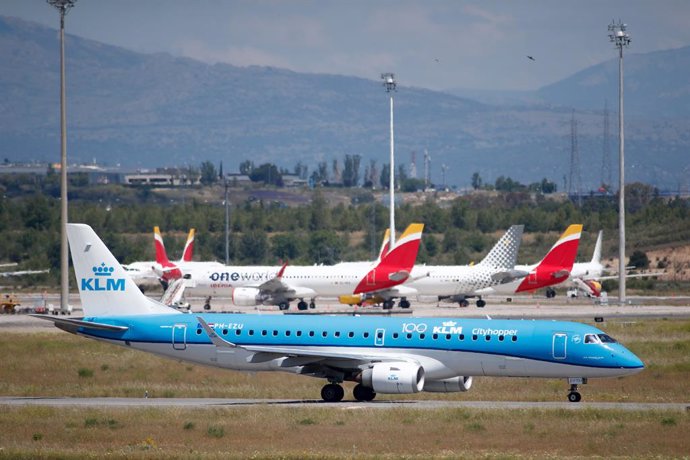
(573, 394)
(550, 293)
(333, 392)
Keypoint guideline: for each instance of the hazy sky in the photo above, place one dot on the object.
(437, 44)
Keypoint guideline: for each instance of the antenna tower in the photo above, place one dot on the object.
(413, 165)
(427, 169)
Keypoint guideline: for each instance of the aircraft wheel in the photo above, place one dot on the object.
(302, 305)
(550, 293)
(362, 393)
(574, 396)
(387, 304)
(283, 305)
(312, 304)
(404, 303)
(481, 303)
(332, 392)
(464, 303)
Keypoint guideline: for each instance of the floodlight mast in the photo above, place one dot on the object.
(63, 6)
(389, 84)
(620, 38)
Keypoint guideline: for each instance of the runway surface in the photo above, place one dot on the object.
(210, 403)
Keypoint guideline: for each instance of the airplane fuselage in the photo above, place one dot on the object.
(444, 347)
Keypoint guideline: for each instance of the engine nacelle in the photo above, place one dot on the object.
(396, 377)
(452, 385)
(246, 297)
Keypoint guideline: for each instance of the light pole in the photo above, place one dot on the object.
(620, 38)
(227, 225)
(389, 84)
(63, 6)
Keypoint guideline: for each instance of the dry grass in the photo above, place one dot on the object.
(65, 365)
(321, 433)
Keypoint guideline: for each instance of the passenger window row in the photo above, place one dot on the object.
(395, 335)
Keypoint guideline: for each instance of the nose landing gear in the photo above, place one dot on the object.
(573, 394)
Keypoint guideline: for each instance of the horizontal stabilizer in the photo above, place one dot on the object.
(560, 273)
(76, 323)
(509, 275)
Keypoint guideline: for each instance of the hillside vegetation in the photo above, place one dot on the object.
(331, 225)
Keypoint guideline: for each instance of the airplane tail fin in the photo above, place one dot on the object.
(596, 256)
(396, 265)
(404, 253)
(161, 255)
(188, 248)
(105, 288)
(564, 252)
(384, 245)
(504, 253)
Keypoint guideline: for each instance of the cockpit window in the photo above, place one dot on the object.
(591, 338)
(606, 338)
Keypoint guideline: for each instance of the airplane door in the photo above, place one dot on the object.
(379, 337)
(559, 341)
(179, 336)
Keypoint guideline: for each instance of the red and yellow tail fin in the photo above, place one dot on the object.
(188, 251)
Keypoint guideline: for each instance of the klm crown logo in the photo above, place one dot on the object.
(103, 270)
(102, 280)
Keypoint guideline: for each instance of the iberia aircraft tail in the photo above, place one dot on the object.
(556, 266)
(169, 269)
(105, 288)
(395, 266)
(188, 247)
(384, 245)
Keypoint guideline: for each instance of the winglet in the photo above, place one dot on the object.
(215, 338)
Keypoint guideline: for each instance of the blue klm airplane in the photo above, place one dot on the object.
(380, 354)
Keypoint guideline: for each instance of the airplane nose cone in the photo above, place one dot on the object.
(631, 362)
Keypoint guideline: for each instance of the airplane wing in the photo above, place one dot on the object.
(24, 272)
(632, 275)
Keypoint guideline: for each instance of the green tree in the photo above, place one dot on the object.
(253, 247)
(209, 175)
(351, 170)
(638, 259)
(476, 181)
(267, 173)
(246, 167)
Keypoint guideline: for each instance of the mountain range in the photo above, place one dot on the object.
(147, 110)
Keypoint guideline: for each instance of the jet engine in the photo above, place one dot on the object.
(246, 297)
(451, 385)
(395, 377)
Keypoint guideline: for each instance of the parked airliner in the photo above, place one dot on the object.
(552, 270)
(457, 283)
(380, 354)
(269, 285)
